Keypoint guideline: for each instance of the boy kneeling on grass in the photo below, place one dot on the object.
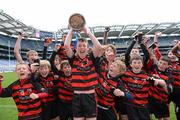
(25, 93)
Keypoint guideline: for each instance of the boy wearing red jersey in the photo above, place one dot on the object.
(84, 76)
(25, 94)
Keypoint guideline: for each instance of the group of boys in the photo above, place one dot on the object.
(92, 84)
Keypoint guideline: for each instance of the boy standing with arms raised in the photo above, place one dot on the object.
(84, 76)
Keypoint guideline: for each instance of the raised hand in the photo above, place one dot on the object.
(47, 41)
(86, 30)
(33, 96)
(158, 33)
(138, 37)
(57, 47)
(146, 40)
(20, 35)
(34, 67)
(118, 92)
(1, 77)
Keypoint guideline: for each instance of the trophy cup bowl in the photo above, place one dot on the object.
(77, 22)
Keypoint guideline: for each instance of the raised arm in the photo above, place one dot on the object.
(47, 42)
(128, 51)
(67, 43)
(156, 49)
(96, 43)
(5, 92)
(146, 53)
(17, 49)
(175, 50)
(52, 58)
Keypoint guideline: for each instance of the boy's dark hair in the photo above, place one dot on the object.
(63, 63)
(113, 47)
(165, 58)
(135, 57)
(81, 39)
(135, 47)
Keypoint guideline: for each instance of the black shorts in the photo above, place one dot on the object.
(65, 110)
(120, 106)
(175, 95)
(137, 113)
(177, 111)
(35, 118)
(38, 118)
(49, 110)
(84, 105)
(106, 114)
(160, 110)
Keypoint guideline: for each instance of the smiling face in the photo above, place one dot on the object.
(22, 71)
(31, 56)
(136, 66)
(136, 63)
(110, 54)
(44, 68)
(171, 56)
(82, 48)
(57, 60)
(162, 65)
(66, 69)
(117, 68)
(134, 51)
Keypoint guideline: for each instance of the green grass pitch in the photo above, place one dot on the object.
(8, 109)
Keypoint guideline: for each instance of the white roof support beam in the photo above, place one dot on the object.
(157, 25)
(173, 24)
(175, 31)
(140, 26)
(122, 30)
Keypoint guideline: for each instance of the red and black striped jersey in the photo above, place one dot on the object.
(101, 64)
(176, 73)
(64, 89)
(138, 86)
(62, 53)
(158, 92)
(48, 83)
(20, 91)
(84, 76)
(107, 84)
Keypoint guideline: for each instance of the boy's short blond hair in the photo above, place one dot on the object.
(121, 65)
(21, 63)
(45, 63)
(31, 51)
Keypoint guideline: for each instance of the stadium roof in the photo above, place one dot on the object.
(119, 31)
(11, 26)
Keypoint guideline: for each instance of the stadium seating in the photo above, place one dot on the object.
(7, 43)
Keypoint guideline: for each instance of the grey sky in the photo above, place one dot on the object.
(54, 14)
